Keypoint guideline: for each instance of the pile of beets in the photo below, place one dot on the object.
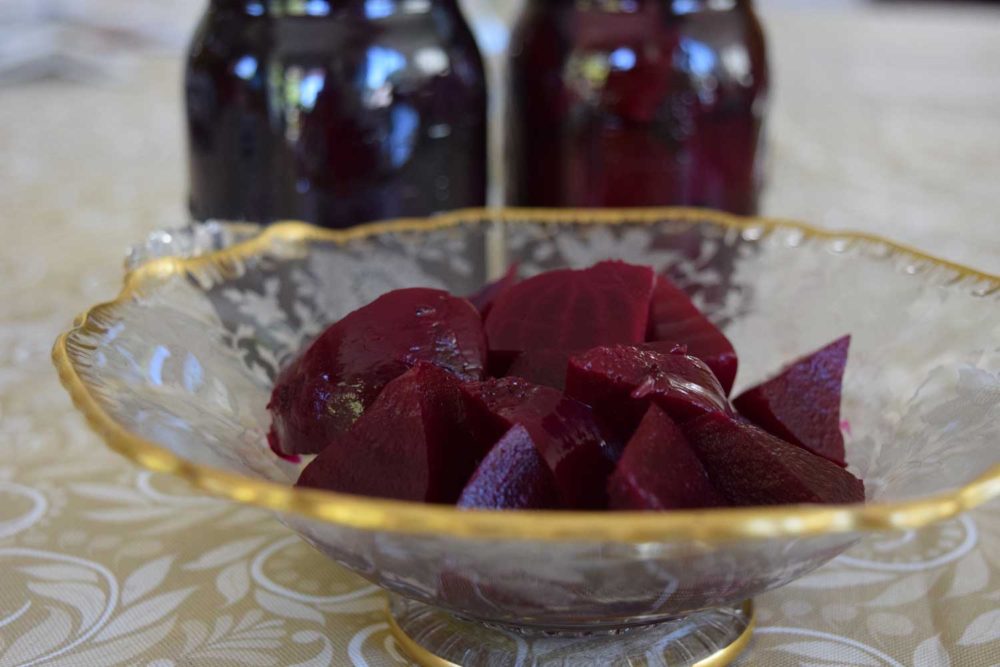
(602, 388)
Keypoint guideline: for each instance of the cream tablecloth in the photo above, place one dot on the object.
(884, 120)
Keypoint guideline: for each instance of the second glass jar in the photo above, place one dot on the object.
(637, 103)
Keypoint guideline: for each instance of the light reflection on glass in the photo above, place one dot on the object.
(290, 94)
(310, 87)
(737, 62)
(192, 373)
(431, 60)
(622, 59)
(380, 63)
(698, 57)
(160, 355)
(246, 67)
(415, 6)
(403, 134)
(379, 9)
(685, 6)
(317, 8)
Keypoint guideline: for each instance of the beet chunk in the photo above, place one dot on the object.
(802, 403)
(512, 476)
(620, 381)
(324, 391)
(673, 317)
(573, 310)
(660, 471)
(752, 467)
(412, 443)
(488, 293)
(564, 432)
(544, 366)
(548, 367)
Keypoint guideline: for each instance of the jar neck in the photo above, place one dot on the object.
(372, 9)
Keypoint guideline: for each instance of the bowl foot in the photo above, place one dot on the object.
(435, 638)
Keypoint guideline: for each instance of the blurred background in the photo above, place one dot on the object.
(884, 116)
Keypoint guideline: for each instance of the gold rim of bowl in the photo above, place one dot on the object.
(708, 525)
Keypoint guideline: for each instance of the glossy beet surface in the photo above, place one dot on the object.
(636, 103)
(564, 432)
(673, 318)
(512, 476)
(412, 443)
(322, 392)
(752, 467)
(334, 111)
(484, 297)
(802, 403)
(620, 381)
(573, 309)
(544, 366)
(659, 470)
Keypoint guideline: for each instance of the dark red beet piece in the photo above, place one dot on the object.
(802, 403)
(512, 476)
(487, 294)
(673, 317)
(752, 467)
(548, 367)
(659, 470)
(412, 443)
(620, 381)
(323, 391)
(544, 366)
(573, 310)
(564, 432)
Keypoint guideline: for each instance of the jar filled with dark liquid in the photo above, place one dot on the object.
(637, 103)
(334, 111)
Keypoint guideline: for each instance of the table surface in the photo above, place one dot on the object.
(885, 120)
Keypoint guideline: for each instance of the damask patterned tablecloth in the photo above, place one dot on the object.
(103, 564)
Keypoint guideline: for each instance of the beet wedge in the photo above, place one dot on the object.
(483, 298)
(749, 466)
(801, 404)
(326, 389)
(512, 476)
(675, 319)
(659, 470)
(544, 366)
(573, 309)
(564, 432)
(620, 381)
(412, 443)
(548, 367)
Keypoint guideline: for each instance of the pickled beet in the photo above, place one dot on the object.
(512, 476)
(483, 298)
(412, 443)
(620, 381)
(326, 389)
(659, 470)
(573, 309)
(564, 431)
(544, 366)
(802, 403)
(752, 467)
(675, 319)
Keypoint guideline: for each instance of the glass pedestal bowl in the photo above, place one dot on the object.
(175, 373)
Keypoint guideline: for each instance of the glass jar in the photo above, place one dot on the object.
(636, 103)
(334, 111)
